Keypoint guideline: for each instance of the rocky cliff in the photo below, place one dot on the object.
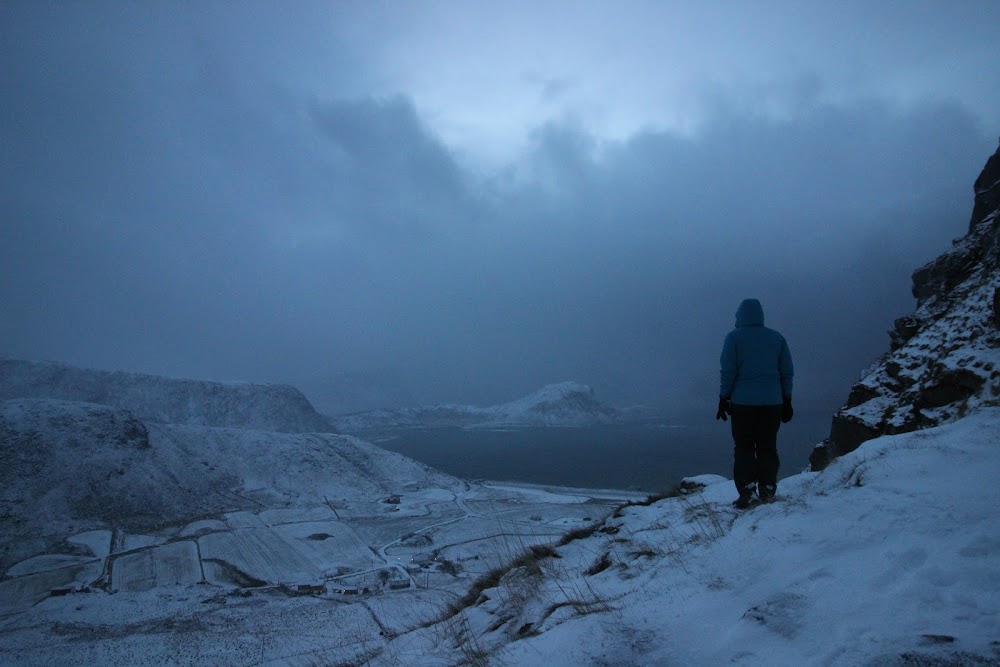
(263, 407)
(944, 359)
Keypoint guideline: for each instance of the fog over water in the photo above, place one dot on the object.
(411, 203)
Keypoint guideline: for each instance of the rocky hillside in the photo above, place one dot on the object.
(263, 407)
(561, 404)
(944, 359)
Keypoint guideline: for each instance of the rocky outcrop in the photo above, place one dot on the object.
(944, 359)
(987, 189)
(263, 407)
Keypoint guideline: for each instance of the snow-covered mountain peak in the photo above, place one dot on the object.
(556, 395)
(558, 390)
(563, 403)
(559, 404)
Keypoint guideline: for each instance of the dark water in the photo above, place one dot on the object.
(646, 458)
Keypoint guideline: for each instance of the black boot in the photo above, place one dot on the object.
(767, 492)
(746, 497)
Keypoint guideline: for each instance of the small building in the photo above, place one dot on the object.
(422, 559)
(309, 589)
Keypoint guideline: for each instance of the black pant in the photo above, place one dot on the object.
(755, 434)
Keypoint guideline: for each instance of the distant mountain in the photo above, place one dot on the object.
(944, 360)
(264, 407)
(562, 404)
(71, 467)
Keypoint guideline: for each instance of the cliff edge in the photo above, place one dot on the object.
(944, 359)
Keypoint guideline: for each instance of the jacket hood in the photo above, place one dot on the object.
(750, 313)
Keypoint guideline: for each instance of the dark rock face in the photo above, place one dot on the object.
(980, 247)
(987, 189)
(903, 329)
(944, 359)
(950, 387)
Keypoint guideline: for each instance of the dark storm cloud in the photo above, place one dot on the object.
(174, 202)
(626, 262)
(384, 170)
(167, 210)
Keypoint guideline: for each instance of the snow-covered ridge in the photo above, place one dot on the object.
(264, 407)
(945, 358)
(561, 404)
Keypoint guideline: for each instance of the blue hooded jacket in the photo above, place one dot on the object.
(756, 363)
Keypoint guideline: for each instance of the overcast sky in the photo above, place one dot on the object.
(403, 203)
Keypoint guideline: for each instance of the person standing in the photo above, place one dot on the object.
(756, 389)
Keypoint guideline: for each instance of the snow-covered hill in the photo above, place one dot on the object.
(124, 542)
(890, 556)
(945, 358)
(263, 407)
(72, 467)
(562, 404)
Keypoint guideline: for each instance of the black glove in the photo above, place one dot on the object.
(786, 411)
(724, 409)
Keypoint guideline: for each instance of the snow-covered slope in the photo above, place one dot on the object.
(71, 467)
(264, 407)
(562, 404)
(890, 556)
(945, 358)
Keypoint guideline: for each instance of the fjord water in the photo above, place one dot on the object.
(643, 457)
